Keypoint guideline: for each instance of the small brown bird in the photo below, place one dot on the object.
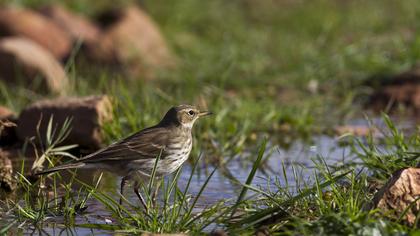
(134, 157)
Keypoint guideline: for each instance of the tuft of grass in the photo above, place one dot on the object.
(32, 202)
(173, 213)
(393, 152)
(52, 148)
(37, 205)
(335, 199)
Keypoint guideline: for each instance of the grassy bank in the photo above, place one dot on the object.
(265, 65)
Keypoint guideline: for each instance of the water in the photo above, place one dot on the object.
(219, 188)
(300, 156)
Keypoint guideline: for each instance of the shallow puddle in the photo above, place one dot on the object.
(220, 187)
(296, 160)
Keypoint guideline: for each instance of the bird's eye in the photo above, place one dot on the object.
(191, 112)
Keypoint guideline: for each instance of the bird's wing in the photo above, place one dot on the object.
(148, 143)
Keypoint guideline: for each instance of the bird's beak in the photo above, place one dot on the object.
(204, 113)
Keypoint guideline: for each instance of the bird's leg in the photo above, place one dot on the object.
(136, 191)
(123, 182)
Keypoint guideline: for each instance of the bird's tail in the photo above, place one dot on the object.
(61, 167)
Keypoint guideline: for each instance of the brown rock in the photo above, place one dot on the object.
(6, 113)
(7, 182)
(218, 232)
(23, 59)
(407, 94)
(29, 24)
(88, 115)
(7, 126)
(400, 192)
(403, 88)
(77, 26)
(356, 130)
(132, 40)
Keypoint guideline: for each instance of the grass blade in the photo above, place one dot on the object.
(250, 176)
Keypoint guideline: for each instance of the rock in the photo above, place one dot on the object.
(132, 40)
(22, 60)
(7, 182)
(7, 127)
(77, 26)
(403, 88)
(29, 24)
(88, 115)
(218, 232)
(356, 130)
(6, 113)
(401, 191)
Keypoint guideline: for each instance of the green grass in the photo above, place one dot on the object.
(397, 151)
(338, 200)
(35, 206)
(251, 63)
(285, 70)
(335, 201)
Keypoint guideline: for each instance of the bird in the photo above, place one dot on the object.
(134, 157)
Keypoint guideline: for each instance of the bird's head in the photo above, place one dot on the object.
(184, 115)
